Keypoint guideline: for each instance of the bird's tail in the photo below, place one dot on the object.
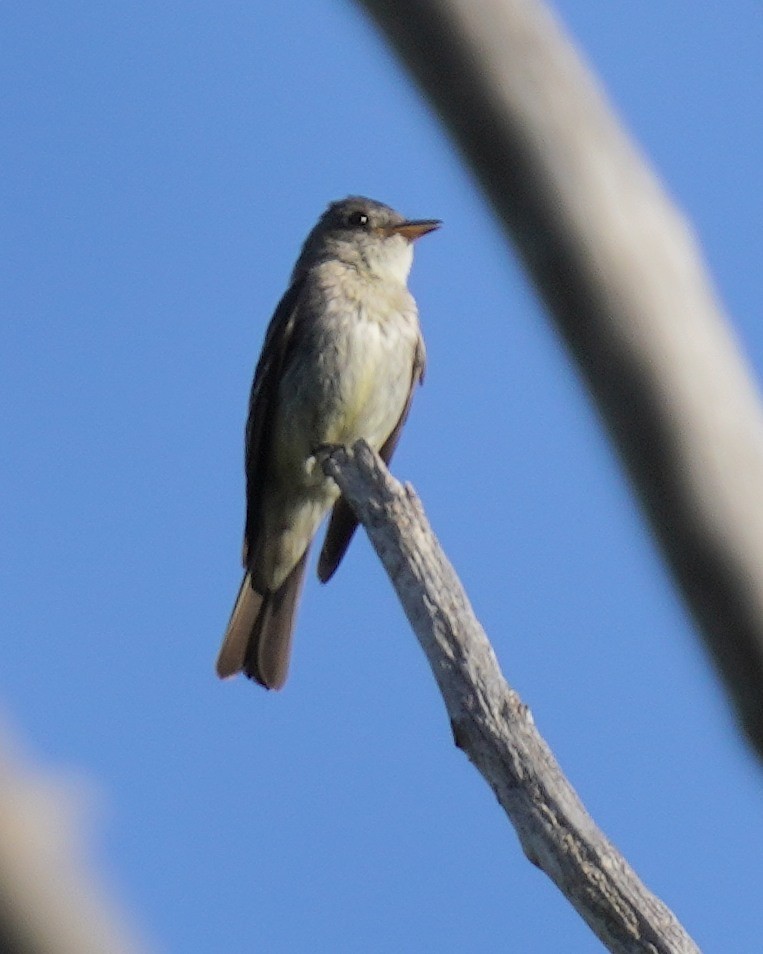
(258, 638)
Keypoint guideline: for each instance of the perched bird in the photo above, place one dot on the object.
(342, 356)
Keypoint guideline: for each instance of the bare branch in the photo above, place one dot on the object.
(49, 901)
(491, 724)
(623, 279)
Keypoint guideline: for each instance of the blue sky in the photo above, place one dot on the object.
(162, 164)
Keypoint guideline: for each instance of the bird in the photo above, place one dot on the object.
(342, 356)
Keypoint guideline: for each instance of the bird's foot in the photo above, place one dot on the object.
(322, 451)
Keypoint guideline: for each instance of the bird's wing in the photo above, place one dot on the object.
(343, 521)
(280, 337)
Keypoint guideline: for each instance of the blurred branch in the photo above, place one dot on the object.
(624, 281)
(49, 902)
(491, 724)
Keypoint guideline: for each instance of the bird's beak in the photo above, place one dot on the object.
(413, 228)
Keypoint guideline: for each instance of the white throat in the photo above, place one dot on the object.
(390, 259)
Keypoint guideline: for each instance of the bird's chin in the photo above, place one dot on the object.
(391, 259)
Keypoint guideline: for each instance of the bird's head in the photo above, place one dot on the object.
(367, 235)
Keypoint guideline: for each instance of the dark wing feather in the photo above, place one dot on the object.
(343, 521)
(279, 343)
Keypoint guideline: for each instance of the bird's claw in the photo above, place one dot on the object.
(322, 451)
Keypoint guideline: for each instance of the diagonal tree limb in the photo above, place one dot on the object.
(623, 279)
(50, 900)
(491, 724)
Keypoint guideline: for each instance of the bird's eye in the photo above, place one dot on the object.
(357, 218)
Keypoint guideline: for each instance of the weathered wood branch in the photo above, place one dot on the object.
(491, 724)
(623, 279)
(50, 902)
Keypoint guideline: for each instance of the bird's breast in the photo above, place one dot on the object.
(352, 376)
